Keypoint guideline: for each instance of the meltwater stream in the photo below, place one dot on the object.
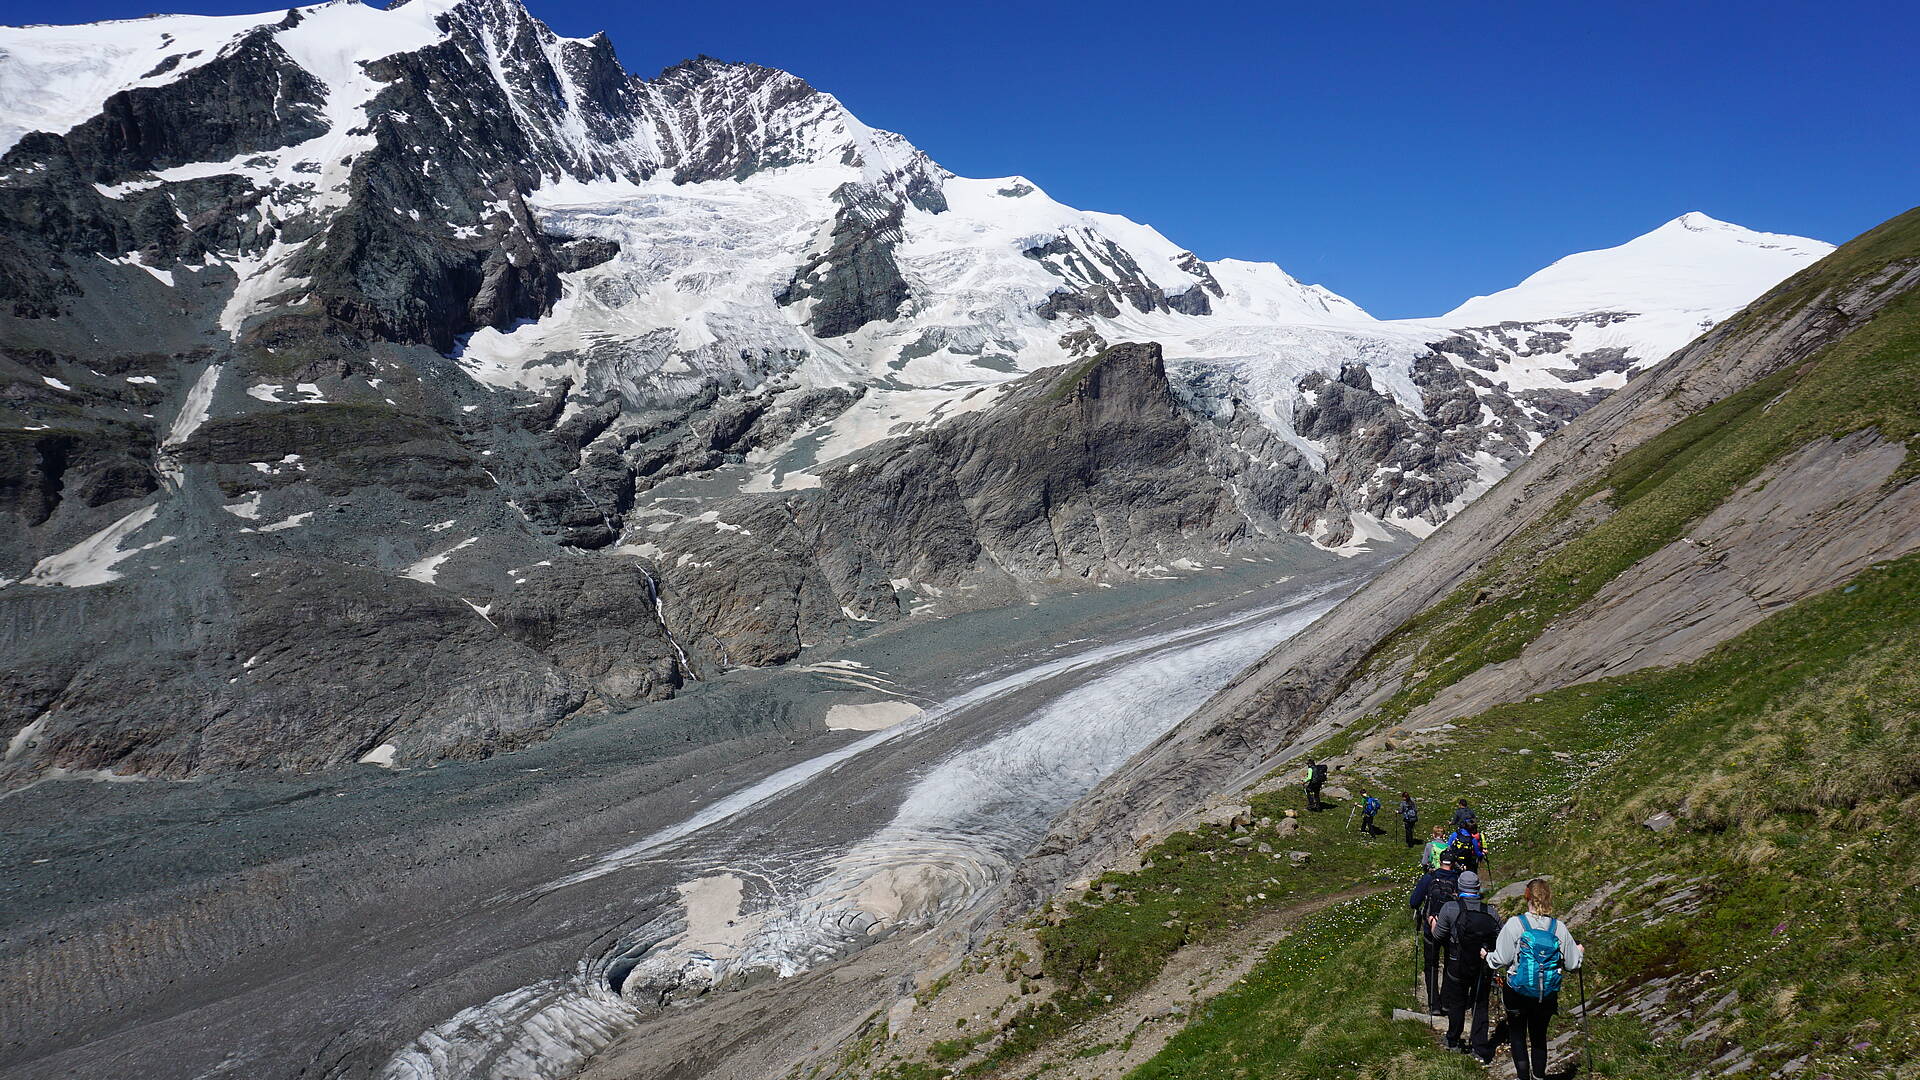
(954, 835)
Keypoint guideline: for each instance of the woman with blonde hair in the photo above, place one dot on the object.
(1533, 949)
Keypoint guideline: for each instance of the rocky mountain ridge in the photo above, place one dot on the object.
(504, 366)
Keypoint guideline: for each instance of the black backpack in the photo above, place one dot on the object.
(1475, 929)
(1441, 891)
(1319, 775)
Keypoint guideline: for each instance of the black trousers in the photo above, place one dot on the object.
(1431, 953)
(1313, 798)
(1409, 827)
(1466, 991)
(1527, 1029)
(1366, 825)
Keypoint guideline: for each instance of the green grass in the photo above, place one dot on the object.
(1195, 884)
(1794, 751)
(1067, 382)
(1313, 1009)
(1861, 259)
(1791, 755)
(1868, 380)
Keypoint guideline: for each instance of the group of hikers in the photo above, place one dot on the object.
(1466, 949)
(1462, 831)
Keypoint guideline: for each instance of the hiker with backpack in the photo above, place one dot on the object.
(1437, 888)
(1471, 931)
(1465, 848)
(1436, 847)
(1316, 778)
(1464, 818)
(1409, 816)
(1533, 950)
(1369, 806)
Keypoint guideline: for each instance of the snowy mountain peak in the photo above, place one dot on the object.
(54, 77)
(1699, 222)
(454, 176)
(1693, 266)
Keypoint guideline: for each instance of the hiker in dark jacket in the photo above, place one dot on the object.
(1464, 818)
(1533, 950)
(1316, 777)
(1466, 849)
(1470, 930)
(1438, 888)
(1409, 816)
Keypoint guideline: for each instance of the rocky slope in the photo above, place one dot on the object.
(1670, 658)
(493, 364)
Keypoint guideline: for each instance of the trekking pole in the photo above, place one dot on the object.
(1585, 1028)
(1420, 972)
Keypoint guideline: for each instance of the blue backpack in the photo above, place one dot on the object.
(1536, 968)
(1372, 806)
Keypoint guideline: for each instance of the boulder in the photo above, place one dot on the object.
(898, 1014)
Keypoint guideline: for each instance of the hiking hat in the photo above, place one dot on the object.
(1469, 882)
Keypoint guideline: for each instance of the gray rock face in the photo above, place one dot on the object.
(596, 619)
(1097, 276)
(1075, 473)
(856, 280)
(207, 114)
(255, 665)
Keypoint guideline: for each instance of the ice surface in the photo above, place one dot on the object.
(92, 561)
(193, 412)
(874, 716)
(425, 569)
(1678, 280)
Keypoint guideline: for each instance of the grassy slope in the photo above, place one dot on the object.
(1867, 380)
(1796, 870)
(1793, 753)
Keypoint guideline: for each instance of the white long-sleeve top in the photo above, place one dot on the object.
(1507, 949)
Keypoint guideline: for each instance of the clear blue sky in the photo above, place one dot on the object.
(1407, 155)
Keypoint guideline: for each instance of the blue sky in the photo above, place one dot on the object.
(1407, 155)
